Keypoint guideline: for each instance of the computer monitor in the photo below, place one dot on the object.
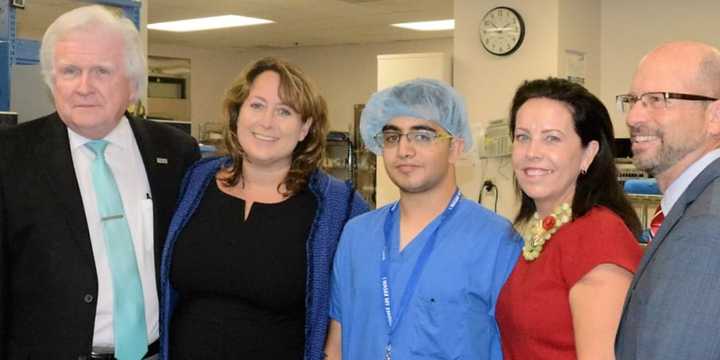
(622, 148)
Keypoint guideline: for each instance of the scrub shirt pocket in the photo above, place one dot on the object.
(438, 328)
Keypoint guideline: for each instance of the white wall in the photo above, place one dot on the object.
(614, 40)
(346, 75)
(630, 29)
(614, 34)
(579, 30)
(489, 82)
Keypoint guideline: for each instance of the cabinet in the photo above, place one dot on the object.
(168, 88)
(338, 160)
(365, 163)
(346, 158)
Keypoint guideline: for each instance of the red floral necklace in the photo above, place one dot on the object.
(539, 231)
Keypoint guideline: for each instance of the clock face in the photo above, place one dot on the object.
(502, 31)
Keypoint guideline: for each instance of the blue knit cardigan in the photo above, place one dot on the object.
(336, 203)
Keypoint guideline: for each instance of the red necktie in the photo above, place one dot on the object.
(656, 221)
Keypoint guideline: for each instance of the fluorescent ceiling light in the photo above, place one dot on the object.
(435, 25)
(207, 23)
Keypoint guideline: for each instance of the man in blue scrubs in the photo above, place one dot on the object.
(419, 278)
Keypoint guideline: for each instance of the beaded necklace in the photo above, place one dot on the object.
(539, 231)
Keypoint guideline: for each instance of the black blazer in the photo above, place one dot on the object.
(48, 282)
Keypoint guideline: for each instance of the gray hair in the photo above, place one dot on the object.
(94, 17)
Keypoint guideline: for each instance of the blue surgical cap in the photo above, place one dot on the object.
(425, 99)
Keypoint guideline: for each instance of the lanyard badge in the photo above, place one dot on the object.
(388, 352)
(416, 272)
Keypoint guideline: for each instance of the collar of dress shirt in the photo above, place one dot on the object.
(120, 136)
(678, 187)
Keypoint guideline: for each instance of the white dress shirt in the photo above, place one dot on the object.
(123, 157)
(678, 187)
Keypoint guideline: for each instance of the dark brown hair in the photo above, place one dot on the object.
(296, 91)
(591, 120)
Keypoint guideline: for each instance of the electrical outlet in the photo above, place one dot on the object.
(488, 185)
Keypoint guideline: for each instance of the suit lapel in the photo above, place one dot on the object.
(56, 165)
(150, 156)
(696, 187)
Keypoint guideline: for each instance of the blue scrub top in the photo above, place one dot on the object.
(452, 313)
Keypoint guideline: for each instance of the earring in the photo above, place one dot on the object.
(583, 171)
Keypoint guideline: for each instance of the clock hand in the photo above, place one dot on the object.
(499, 29)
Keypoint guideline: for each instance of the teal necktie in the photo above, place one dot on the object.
(128, 302)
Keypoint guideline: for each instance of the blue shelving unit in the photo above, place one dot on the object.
(7, 37)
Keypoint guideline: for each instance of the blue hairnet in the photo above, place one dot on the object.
(425, 99)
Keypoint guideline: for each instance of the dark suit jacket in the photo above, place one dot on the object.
(672, 310)
(48, 282)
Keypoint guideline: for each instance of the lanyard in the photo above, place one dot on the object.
(417, 270)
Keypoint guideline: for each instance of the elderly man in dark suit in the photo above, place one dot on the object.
(673, 305)
(86, 195)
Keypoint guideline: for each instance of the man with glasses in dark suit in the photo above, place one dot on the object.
(673, 113)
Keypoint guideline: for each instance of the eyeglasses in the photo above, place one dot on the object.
(654, 100)
(388, 139)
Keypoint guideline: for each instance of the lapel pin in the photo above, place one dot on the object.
(161, 160)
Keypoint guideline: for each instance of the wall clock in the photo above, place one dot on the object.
(502, 31)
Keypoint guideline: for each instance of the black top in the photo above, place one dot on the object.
(241, 283)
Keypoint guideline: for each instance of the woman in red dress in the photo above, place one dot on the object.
(564, 298)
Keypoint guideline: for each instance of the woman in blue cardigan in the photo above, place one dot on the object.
(245, 268)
